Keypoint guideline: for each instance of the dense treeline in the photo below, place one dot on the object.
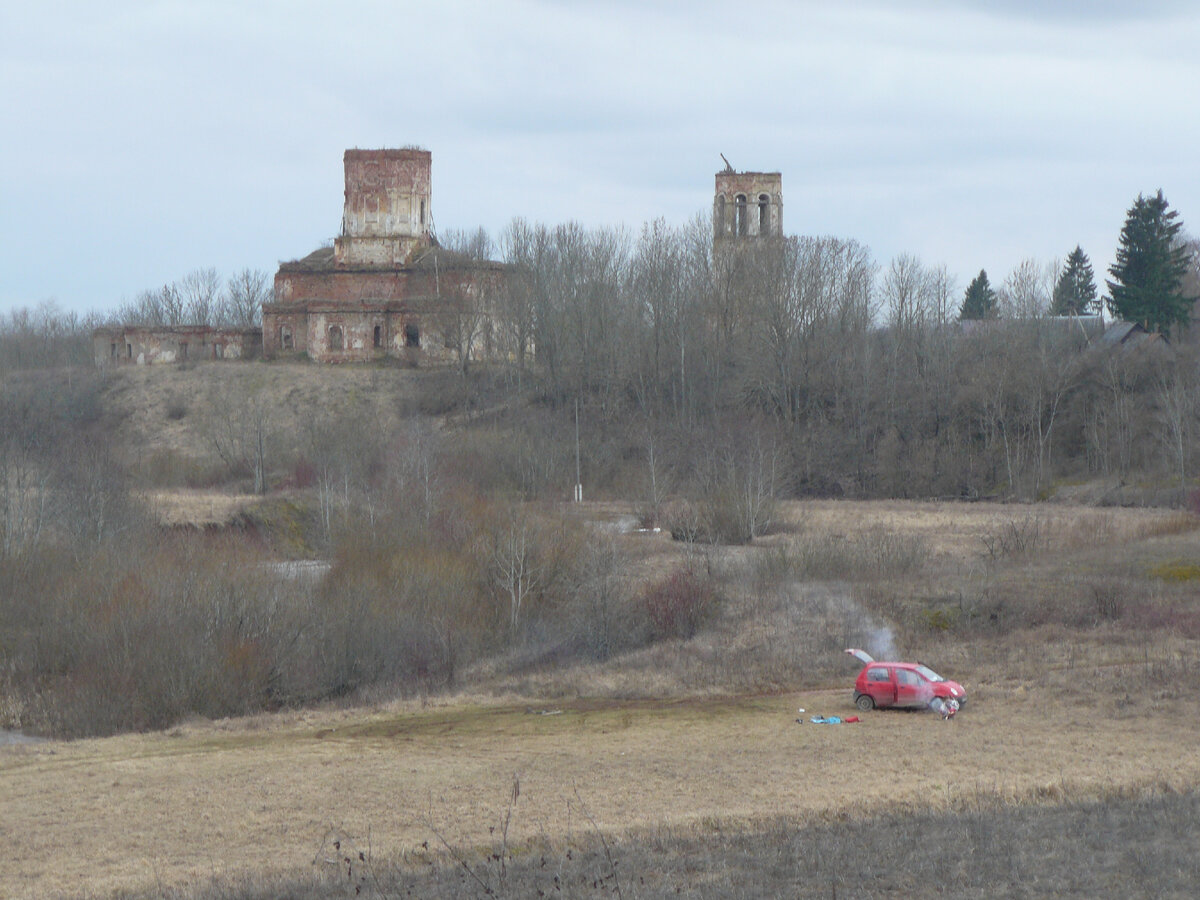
(45, 336)
(840, 377)
(201, 298)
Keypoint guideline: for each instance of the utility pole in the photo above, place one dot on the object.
(578, 477)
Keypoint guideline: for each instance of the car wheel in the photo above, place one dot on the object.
(864, 702)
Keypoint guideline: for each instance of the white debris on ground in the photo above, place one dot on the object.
(301, 569)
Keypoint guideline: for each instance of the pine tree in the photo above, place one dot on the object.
(1147, 276)
(1075, 292)
(980, 300)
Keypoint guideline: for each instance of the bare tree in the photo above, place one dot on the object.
(943, 289)
(1178, 402)
(148, 308)
(93, 497)
(24, 496)
(1110, 419)
(910, 294)
(45, 336)
(1026, 292)
(1052, 371)
(199, 293)
(522, 247)
(475, 244)
(463, 315)
(242, 431)
(739, 484)
(599, 599)
(245, 293)
(516, 567)
(412, 469)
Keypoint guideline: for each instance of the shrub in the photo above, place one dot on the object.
(682, 519)
(304, 473)
(730, 519)
(939, 618)
(176, 409)
(679, 604)
(1014, 539)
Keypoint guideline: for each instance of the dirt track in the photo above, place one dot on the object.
(260, 794)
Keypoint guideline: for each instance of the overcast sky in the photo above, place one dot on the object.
(140, 140)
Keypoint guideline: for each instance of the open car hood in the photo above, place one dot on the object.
(861, 655)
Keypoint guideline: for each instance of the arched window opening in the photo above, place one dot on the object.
(739, 216)
(412, 335)
(285, 337)
(764, 214)
(422, 212)
(719, 224)
(335, 337)
(377, 338)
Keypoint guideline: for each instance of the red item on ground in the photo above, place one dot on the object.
(850, 719)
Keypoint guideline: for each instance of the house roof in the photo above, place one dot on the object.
(1120, 332)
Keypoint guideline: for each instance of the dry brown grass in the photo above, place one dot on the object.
(167, 411)
(196, 507)
(1058, 713)
(958, 530)
(257, 795)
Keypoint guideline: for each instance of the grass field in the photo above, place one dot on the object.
(259, 795)
(1068, 724)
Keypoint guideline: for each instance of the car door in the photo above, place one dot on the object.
(911, 688)
(881, 685)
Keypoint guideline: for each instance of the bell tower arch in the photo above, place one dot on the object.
(747, 205)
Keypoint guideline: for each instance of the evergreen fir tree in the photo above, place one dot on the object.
(1147, 276)
(1075, 292)
(980, 300)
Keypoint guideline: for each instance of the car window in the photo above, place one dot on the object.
(907, 676)
(878, 673)
(929, 673)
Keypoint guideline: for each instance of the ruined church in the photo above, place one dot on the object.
(384, 288)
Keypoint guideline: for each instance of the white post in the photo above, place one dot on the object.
(578, 477)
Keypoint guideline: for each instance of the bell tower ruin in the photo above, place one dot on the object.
(747, 205)
(387, 213)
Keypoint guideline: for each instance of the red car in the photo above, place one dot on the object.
(881, 684)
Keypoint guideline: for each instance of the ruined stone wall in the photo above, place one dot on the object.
(285, 330)
(748, 204)
(341, 332)
(185, 343)
(387, 210)
(384, 251)
(340, 286)
(338, 334)
(456, 281)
